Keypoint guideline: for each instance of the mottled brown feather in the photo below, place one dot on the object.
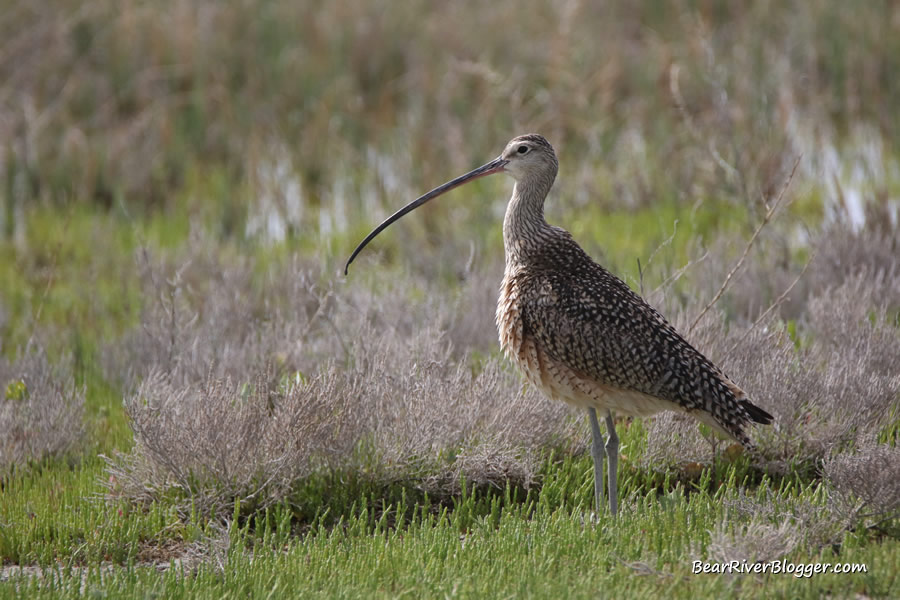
(583, 336)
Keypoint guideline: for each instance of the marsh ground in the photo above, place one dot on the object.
(195, 402)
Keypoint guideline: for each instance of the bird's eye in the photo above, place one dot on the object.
(522, 149)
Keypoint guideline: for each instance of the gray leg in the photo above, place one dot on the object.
(598, 453)
(612, 455)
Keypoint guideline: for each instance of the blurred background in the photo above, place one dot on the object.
(278, 126)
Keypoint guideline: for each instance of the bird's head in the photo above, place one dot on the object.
(528, 157)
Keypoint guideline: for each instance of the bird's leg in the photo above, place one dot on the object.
(612, 455)
(598, 453)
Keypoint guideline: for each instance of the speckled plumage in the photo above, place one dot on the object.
(583, 336)
(578, 332)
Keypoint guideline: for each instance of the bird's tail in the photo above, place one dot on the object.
(735, 420)
(757, 415)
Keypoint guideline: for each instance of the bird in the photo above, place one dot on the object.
(579, 333)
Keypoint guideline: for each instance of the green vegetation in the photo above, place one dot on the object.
(194, 403)
(489, 546)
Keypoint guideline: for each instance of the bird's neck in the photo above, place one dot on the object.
(524, 225)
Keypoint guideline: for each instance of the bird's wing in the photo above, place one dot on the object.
(591, 321)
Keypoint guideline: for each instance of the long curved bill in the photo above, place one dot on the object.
(495, 166)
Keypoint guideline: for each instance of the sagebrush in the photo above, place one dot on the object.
(41, 410)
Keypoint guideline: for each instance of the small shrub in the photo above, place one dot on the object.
(40, 410)
(787, 520)
(752, 542)
(834, 392)
(204, 314)
(401, 411)
(865, 484)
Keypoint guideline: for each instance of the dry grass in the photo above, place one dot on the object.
(753, 542)
(831, 379)
(204, 313)
(307, 380)
(764, 525)
(838, 390)
(118, 101)
(842, 253)
(249, 382)
(219, 441)
(865, 484)
(862, 487)
(40, 410)
(405, 414)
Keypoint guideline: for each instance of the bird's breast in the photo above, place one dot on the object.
(514, 342)
(509, 316)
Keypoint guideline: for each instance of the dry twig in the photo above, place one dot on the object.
(770, 212)
(774, 304)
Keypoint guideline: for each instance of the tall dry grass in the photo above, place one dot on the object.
(243, 393)
(348, 104)
(41, 410)
(380, 383)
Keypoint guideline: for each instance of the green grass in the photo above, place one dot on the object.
(55, 514)
(486, 545)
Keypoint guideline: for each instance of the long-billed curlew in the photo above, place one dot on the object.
(579, 333)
